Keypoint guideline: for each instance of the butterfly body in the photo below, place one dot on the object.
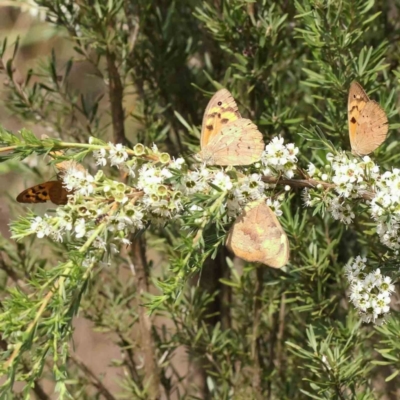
(226, 138)
(257, 236)
(368, 123)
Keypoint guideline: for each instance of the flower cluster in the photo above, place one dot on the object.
(151, 197)
(385, 208)
(369, 292)
(340, 209)
(156, 191)
(279, 158)
(352, 178)
(247, 189)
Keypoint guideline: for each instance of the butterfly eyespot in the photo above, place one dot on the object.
(220, 103)
(353, 120)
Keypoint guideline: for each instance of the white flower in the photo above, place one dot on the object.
(280, 157)
(222, 180)
(177, 163)
(160, 208)
(100, 157)
(41, 227)
(80, 228)
(369, 292)
(118, 154)
(341, 210)
(166, 173)
(311, 169)
(65, 219)
(194, 182)
(275, 206)
(149, 178)
(307, 197)
(78, 181)
(99, 243)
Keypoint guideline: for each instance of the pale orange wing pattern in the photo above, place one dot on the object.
(372, 129)
(257, 236)
(368, 124)
(221, 110)
(51, 190)
(238, 143)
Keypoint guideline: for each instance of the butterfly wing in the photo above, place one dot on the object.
(51, 190)
(257, 236)
(238, 143)
(372, 129)
(221, 110)
(368, 123)
(356, 102)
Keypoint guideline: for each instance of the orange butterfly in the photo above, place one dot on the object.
(257, 236)
(226, 137)
(368, 123)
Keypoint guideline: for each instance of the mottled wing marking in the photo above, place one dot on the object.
(220, 110)
(368, 124)
(257, 236)
(239, 143)
(51, 190)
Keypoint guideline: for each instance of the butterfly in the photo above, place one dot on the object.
(368, 123)
(257, 236)
(226, 137)
(51, 190)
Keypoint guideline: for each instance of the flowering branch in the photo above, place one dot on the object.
(159, 190)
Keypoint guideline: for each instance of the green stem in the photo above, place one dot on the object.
(49, 295)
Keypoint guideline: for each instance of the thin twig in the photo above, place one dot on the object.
(152, 378)
(311, 183)
(11, 273)
(281, 331)
(94, 380)
(138, 251)
(37, 387)
(116, 94)
(255, 348)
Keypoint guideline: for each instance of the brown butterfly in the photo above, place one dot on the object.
(51, 190)
(226, 138)
(368, 123)
(257, 236)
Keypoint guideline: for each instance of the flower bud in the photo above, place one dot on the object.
(165, 158)
(139, 149)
